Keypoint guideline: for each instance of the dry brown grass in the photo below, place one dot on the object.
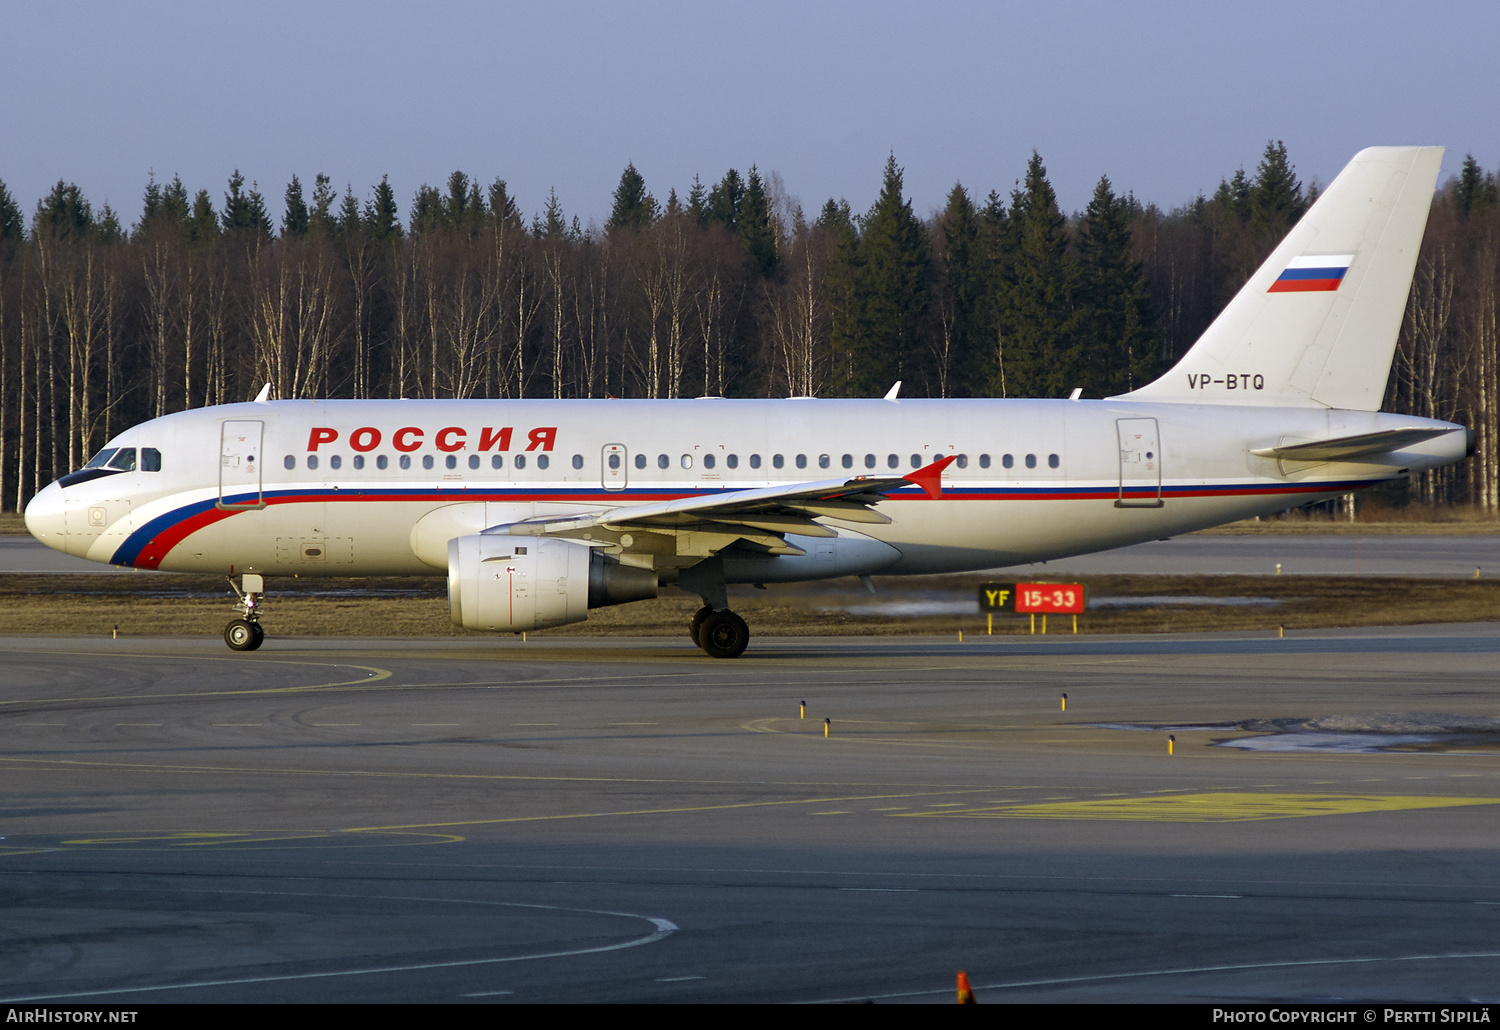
(165, 605)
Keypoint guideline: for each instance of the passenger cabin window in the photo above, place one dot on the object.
(381, 461)
(893, 461)
(640, 461)
(542, 461)
(963, 461)
(519, 461)
(614, 462)
(1031, 461)
(802, 461)
(778, 461)
(869, 461)
(578, 461)
(290, 462)
(335, 462)
(359, 461)
(755, 461)
(497, 461)
(984, 461)
(451, 461)
(406, 461)
(687, 461)
(427, 461)
(848, 461)
(473, 461)
(708, 461)
(663, 462)
(1008, 461)
(824, 461)
(312, 461)
(1053, 461)
(916, 461)
(733, 461)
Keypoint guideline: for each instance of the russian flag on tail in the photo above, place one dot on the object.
(1314, 273)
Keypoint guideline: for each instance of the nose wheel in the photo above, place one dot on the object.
(245, 633)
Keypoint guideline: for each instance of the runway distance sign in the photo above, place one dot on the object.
(1033, 598)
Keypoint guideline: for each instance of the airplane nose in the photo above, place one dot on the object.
(44, 517)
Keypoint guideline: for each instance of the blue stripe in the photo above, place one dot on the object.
(1313, 273)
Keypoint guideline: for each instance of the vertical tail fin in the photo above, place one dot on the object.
(1316, 325)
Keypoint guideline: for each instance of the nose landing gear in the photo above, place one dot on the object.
(245, 633)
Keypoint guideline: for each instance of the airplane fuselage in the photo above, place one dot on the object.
(358, 488)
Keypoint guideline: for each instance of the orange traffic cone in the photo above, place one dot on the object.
(965, 995)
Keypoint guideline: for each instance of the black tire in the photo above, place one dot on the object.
(723, 635)
(241, 635)
(260, 637)
(696, 626)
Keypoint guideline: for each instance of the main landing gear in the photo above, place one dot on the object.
(721, 634)
(245, 633)
(716, 629)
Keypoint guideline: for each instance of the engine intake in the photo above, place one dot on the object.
(501, 582)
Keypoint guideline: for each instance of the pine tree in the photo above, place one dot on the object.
(960, 290)
(841, 293)
(321, 222)
(175, 205)
(64, 213)
(381, 219)
(1038, 298)
(245, 213)
(634, 208)
(11, 225)
(295, 221)
(892, 287)
(426, 211)
(1117, 340)
(502, 205)
(107, 226)
(1276, 201)
(203, 224)
(552, 224)
(349, 215)
(724, 201)
(698, 201)
(1475, 190)
(755, 224)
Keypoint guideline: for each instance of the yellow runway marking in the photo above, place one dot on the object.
(659, 811)
(375, 676)
(1212, 807)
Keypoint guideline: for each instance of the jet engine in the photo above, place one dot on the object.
(501, 582)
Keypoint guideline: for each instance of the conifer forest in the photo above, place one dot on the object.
(110, 318)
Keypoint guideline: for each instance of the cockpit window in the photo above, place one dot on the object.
(123, 461)
(102, 458)
(150, 459)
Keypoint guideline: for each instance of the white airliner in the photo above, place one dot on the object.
(538, 510)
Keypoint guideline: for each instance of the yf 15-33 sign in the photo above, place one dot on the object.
(1033, 598)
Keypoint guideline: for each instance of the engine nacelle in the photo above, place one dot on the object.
(502, 582)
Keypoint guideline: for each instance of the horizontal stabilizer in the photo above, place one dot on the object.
(1347, 448)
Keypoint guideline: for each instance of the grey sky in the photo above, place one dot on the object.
(1166, 98)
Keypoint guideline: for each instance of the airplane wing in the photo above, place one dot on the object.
(761, 517)
(1346, 448)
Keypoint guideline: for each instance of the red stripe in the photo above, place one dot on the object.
(1304, 285)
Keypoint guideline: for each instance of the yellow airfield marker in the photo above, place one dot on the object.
(827, 726)
(1171, 744)
(1065, 702)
